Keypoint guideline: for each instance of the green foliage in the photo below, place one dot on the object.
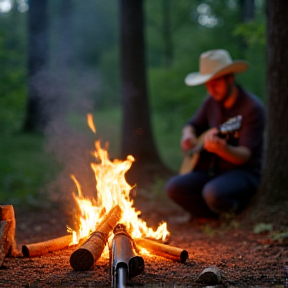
(12, 72)
(24, 169)
(253, 33)
(108, 94)
(262, 228)
(169, 93)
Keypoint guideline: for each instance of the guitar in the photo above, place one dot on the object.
(230, 127)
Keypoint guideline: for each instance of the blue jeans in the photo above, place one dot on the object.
(206, 196)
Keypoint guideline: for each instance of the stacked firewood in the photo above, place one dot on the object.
(7, 232)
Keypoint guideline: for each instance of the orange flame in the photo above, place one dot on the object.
(112, 189)
(91, 122)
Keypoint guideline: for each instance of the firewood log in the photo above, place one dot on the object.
(42, 248)
(5, 239)
(7, 213)
(84, 257)
(163, 250)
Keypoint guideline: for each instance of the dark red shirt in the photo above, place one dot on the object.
(213, 114)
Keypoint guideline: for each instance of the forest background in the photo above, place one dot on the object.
(87, 80)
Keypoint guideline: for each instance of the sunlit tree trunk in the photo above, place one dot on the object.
(37, 117)
(275, 181)
(137, 136)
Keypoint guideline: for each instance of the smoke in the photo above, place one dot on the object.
(64, 105)
(68, 90)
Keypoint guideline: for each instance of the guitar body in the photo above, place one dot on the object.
(191, 158)
(189, 163)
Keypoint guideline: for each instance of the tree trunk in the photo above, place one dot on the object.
(137, 137)
(37, 117)
(275, 180)
(167, 33)
(248, 10)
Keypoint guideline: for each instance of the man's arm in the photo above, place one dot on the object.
(189, 138)
(237, 155)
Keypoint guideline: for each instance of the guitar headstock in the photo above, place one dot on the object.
(231, 125)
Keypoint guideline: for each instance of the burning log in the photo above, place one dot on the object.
(42, 248)
(164, 250)
(7, 232)
(84, 257)
(124, 262)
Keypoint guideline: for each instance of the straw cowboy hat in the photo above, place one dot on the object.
(213, 64)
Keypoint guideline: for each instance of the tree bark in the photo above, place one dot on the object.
(275, 181)
(137, 136)
(248, 10)
(167, 33)
(37, 117)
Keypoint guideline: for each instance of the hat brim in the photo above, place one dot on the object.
(196, 78)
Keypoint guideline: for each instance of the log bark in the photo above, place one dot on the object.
(84, 257)
(164, 250)
(42, 248)
(7, 214)
(5, 239)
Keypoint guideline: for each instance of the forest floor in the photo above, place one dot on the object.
(248, 252)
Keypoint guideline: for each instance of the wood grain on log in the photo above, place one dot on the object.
(42, 248)
(5, 239)
(84, 257)
(164, 250)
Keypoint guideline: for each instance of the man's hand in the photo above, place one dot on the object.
(189, 139)
(235, 154)
(212, 143)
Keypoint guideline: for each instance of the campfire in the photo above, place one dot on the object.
(108, 224)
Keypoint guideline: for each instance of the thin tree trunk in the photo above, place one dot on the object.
(37, 116)
(248, 10)
(167, 33)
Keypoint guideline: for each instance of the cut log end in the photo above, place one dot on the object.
(81, 260)
(184, 256)
(210, 275)
(7, 212)
(25, 251)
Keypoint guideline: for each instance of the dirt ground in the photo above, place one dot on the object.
(245, 258)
